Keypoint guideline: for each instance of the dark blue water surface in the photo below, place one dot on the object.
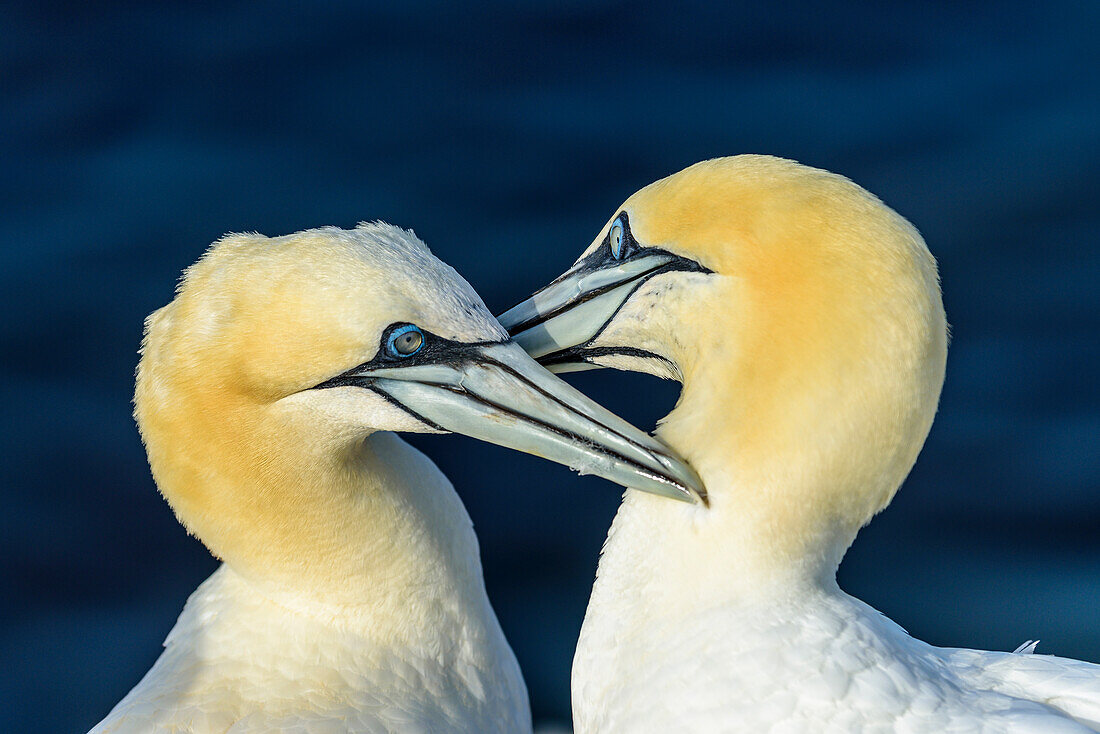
(132, 135)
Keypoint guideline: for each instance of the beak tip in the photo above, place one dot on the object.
(703, 498)
(677, 489)
(696, 496)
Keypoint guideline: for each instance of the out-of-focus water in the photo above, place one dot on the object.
(132, 135)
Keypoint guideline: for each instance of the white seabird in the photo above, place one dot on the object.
(804, 320)
(351, 595)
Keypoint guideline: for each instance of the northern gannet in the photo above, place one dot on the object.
(351, 595)
(803, 318)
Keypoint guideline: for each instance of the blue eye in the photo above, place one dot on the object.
(405, 341)
(615, 237)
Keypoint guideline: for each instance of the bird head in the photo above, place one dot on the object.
(801, 314)
(261, 382)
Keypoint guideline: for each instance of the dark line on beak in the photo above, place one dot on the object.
(367, 383)
(519, 376)
(582, 353)
(599, 351)
(595, 447)
(583, 350)
(584, 297)
(676, 264)
(395, 402)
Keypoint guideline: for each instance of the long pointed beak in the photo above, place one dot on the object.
(558, 324)
(497, 393)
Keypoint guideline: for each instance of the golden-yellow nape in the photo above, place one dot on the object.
(810, 338)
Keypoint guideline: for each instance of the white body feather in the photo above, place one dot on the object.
(809, 660)
(238, 661)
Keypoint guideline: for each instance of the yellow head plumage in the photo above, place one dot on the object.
(812, 354)
(283, 482)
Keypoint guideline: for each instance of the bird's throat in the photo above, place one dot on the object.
(366, 523)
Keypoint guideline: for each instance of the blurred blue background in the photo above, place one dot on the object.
(132, 135)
